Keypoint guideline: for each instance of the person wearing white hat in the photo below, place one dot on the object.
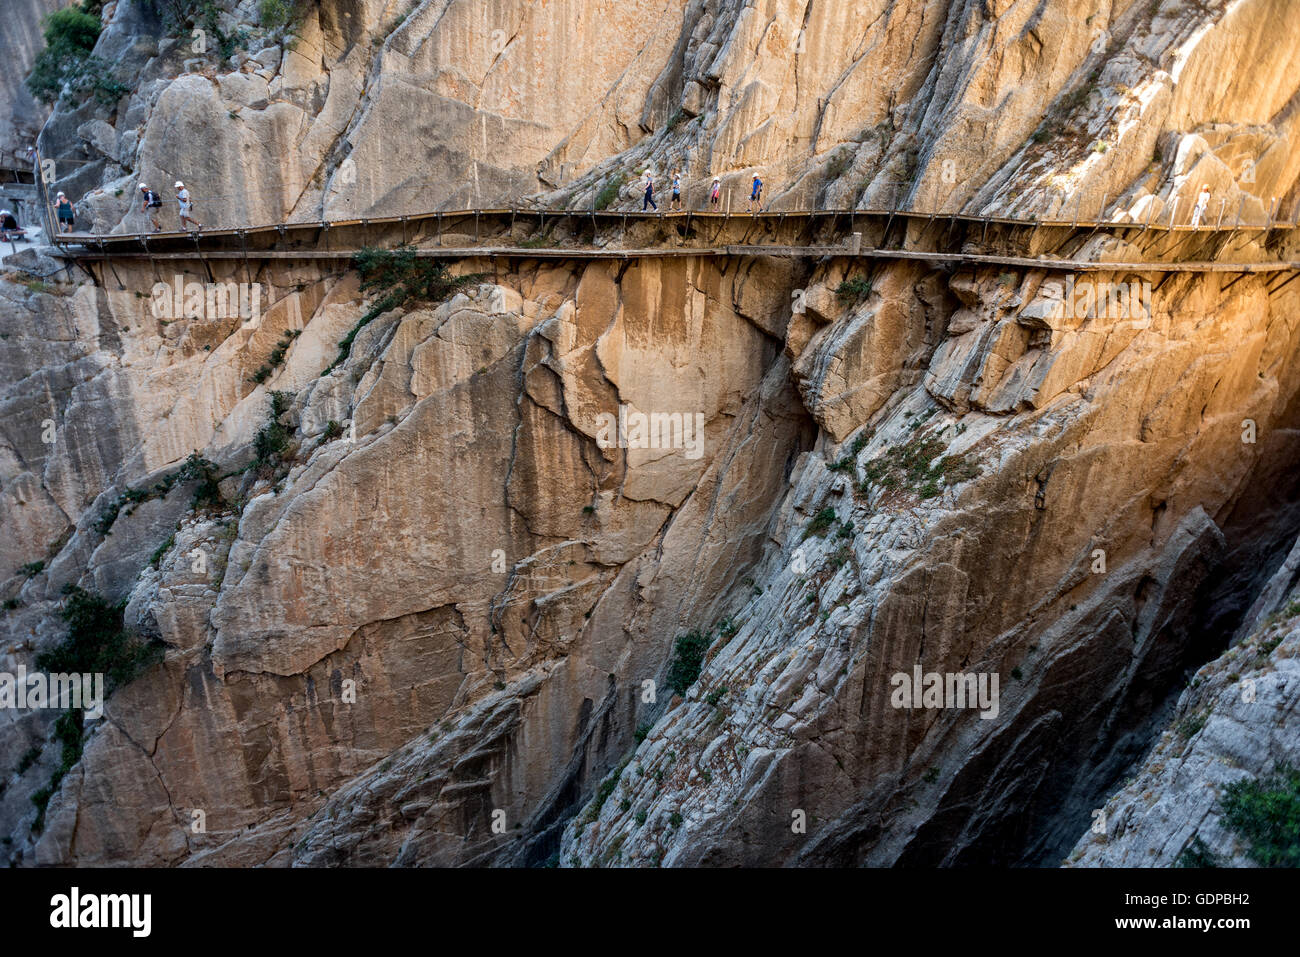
(715, 193)
(1202, 203)
(152, 201)
(65, 212)
(187, 206)
(9, 228)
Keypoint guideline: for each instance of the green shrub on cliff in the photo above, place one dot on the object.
(609, 192)
(66, 67)
(403, 276)
(1266, 813)
(688, 659)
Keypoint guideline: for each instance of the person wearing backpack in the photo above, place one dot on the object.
(649, 193)
(756, 195)
(152, 202)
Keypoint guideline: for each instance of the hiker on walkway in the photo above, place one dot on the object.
(756, 195)
(187, 206)
(715, 194)
(1202, 204)
(677, 190)
(152, 202)
(649, 200)
(65, 213)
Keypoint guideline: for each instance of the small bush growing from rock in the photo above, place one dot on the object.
(403, 276)
(67, 730)
(29, 758)
(688, 659)
(1197, 854)
(1266, 812)
(609, 192)
(854, 290)
(98, 642)
(820, 522)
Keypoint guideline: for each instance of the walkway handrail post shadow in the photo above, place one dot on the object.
(47, 207)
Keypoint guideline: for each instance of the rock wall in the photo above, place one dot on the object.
(376, 107)
(425, 631)
(1234, 723)
(996, 574)
(559, 557)
(21, 115)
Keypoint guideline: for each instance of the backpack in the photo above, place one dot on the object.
(151, 199)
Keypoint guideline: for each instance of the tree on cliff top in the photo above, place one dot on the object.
(66, 65)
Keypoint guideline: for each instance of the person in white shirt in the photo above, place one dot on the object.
(187, 206)
(1202, 204)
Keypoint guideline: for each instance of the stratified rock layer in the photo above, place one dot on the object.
(439, 631)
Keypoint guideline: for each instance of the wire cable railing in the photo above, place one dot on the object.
(1048, 206)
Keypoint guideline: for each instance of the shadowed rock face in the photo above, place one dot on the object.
(424, 633)
(21, 115)
(998, 575)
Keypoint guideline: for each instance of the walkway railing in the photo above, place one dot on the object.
(1172, 214)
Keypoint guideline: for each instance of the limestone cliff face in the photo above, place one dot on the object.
(1234, 723)
(429, 636)
(998, 575)
(21, 115)
(942, 106)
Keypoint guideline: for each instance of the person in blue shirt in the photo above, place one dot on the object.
(756, 195)
(677, 189)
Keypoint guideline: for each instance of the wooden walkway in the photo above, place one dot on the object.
(789, 252)
(624, 218)
(495, 234)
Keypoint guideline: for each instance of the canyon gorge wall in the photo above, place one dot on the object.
(438, 607)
